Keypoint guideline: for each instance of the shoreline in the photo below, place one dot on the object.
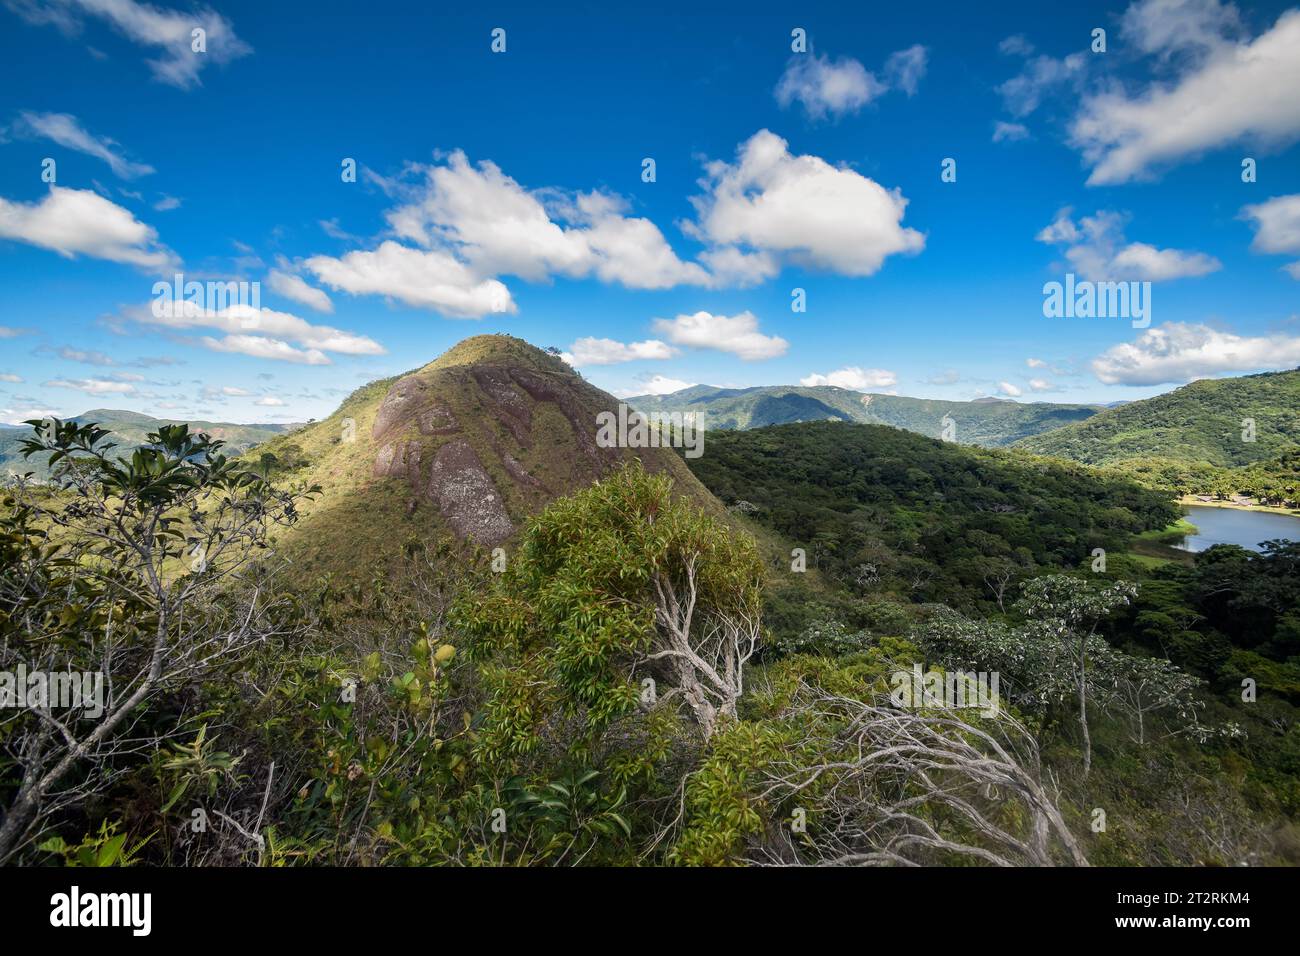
(1269, 509)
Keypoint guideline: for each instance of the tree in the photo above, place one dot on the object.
(622, 582)
(1067, 611)
(887, 786)
(142, 572)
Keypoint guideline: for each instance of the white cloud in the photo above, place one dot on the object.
(296, 288)
(496, 226)
(67, 131)
(11, 378)
(904, 68)
(261, 333)
(79, 221)
(1035, 363)
(1097, 251)
(825, 86)
(18, 416)
(1041, 76)
(801, 208)
(430, 279)
(1042, 385)
(1006, 388)
(594, 351)
(93, 386)
(1180, 352)
(736, 334)
(852, 377)
(269, 401)
(1016, 45)
(167, 204)
(1164, 28)
(170, 31)
(264, 347)
(660, 385)
(1277, 228)
(1228, 90)
(1009, 132)
(836, 87)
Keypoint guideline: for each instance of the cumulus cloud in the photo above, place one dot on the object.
(260, 333)
(76, 222)
(170, 32)
(1097, 251)
(1277, 228)
(738, 334)
(498, 227)
(296, 288)
(594, 351)
(66, 130)
(270, 401)
(1227, 89)
(852, 377)
(772, 203)
(1180, 352)
(1006, 388)
(826, 87)
(469, 223)
(428, 279)
(1042, 385)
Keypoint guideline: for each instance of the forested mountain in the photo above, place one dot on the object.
(1225, 422)
(128, 429)
(988, 422)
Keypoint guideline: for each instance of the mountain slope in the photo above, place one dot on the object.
(469, 445)
(986, 422)
(1200, 422)
(129, 430)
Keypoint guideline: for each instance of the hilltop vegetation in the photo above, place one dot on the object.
(1200, 423)
(990, 423)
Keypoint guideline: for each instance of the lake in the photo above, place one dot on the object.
(1234, 526)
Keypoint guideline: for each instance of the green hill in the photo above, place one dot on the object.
(1199, 423)
(128, 431)
(988, 422)
(467, 446)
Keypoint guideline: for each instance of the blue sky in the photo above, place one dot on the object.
(504, 192)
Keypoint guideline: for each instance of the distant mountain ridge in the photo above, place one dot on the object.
(128, 432)
(989, 422)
